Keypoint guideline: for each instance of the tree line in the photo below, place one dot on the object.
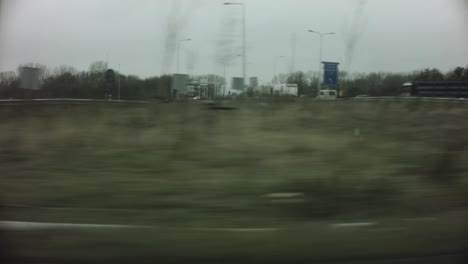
(372, 84)
(67, 82)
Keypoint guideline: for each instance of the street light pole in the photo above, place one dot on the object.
(225, 77)
(275, 65)
(178, 52)
(320, 59)
(244, 41)
(319, 84)
(225, 80)
(118, 83)
(244, 48)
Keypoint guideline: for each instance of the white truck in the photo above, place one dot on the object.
(327, 95)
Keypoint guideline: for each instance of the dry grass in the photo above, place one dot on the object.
(182, 163)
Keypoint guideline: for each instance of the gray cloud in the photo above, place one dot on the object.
(141, 36)
(178, 18)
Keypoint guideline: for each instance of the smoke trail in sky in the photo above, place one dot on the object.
(465, 16)
(358, 24)
(177, 20)
(228, 44)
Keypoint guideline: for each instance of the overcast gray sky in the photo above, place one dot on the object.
(373, 35)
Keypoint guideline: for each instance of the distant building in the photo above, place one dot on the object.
(237, 84)
(231, 93)
(286, 89)
(179, 85)
(203, 89)
(253, 82)
(263, 90)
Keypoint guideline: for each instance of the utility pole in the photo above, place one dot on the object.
(293, 52)
(319, 84)
(225, 80)
(118, 83)
(275, 65)
(244, 48)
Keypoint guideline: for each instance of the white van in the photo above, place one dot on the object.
(327, 95)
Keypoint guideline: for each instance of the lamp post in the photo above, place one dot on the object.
(319, 85)
(276, 64)
(118, 83)
(225, 80)
(244, 41)
(178, 52)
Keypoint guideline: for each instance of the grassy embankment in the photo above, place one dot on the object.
(180, 166)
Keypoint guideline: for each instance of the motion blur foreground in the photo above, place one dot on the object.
(269, 181)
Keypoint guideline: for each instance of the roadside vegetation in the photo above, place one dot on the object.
(299, 167)
(184, 162)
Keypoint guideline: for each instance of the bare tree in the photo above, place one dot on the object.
(98, 67)
(7, 77)
(63, 69)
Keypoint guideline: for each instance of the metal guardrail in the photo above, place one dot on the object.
(409, 99)
(123, 102)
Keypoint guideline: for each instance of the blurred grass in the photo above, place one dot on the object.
(180, 167)
(183, 163)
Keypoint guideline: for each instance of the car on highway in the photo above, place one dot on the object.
(327, 95)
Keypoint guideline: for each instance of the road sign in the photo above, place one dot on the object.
(330, 73)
